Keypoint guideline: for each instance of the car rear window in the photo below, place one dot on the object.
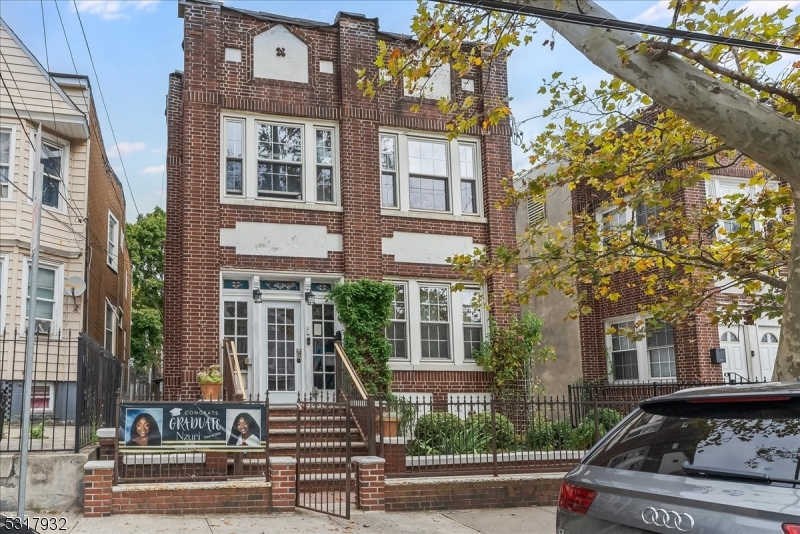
(754, 436)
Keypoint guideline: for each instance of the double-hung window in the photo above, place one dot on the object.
(472, 320)
(235, 327)
(46, 299)
(426, 173)
(397, 331)
(112, 243)
(110, 331)
(52, 179)
(646, 217)
(6, 157)
(641, 355)
(274, 160)
(434, 320)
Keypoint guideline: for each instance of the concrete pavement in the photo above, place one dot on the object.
(530, 520)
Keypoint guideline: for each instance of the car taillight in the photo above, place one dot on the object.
(791, 529)
(577, 499)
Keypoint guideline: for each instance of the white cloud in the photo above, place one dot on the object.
(114, 9)
(157, 169)
(124, 148)
(654, 13)
(759, 7)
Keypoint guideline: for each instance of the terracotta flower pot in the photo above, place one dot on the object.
(389, 427)
(211, 391)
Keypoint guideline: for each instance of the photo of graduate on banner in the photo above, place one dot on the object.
(243, 428)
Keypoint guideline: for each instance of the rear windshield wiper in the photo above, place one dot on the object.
(717, 472)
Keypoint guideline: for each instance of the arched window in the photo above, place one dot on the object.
(728, 336)
(769, 338)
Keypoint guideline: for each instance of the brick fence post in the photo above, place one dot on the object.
(394, 451)
(108, 441)
(98, 480)
(370, 483)
(283, 480)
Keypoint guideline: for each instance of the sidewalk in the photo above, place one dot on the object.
(530, 520)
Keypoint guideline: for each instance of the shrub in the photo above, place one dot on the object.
(541, 436)
(439, 432)
(479, 425)
(563, 434)
(583, 437)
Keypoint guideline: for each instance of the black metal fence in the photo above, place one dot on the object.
(480, 435)
(74, 391)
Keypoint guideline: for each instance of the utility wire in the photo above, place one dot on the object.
(616, 24)
(103, 100)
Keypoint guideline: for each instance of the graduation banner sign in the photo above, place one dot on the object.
(184, 425)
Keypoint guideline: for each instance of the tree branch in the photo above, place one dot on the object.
(722, 71)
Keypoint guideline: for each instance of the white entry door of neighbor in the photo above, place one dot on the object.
(281, 369)
(767, 350)
(732, 340)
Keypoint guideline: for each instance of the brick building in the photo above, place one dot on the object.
(585, 349)
(282, 179)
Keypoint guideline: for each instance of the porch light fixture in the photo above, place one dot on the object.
(257, 295)
(309, 296)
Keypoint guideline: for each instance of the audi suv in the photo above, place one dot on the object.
(721, 460)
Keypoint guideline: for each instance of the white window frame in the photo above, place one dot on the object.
(642, 355)
(58, 305)
(4, 288)
(405, 357)
(249, 194)
(241, 295)
(64, 146)
(113, 330)
(112, 242)
(714, 190)
(453, 171)
(481, 310)
(12, 152)
(456, 329)
(628, 215)
(50, 397)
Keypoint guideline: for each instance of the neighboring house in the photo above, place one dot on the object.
(78, 201)
(669, 353)
(282, 179)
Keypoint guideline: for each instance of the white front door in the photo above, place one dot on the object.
(280, 368)
(767, 350)
(732, 340)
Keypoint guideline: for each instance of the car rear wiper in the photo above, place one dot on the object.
(717, 472)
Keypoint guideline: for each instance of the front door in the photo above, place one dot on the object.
(282, 372)
(767, 350)
(731, 340)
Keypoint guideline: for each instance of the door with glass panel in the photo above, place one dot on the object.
(282, 372)
(323, 357)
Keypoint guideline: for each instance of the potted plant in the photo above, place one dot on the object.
(210, 380)
(397, 416)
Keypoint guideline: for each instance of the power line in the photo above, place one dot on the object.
(616, 24)
(103, 100)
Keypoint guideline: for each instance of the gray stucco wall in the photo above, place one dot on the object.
(563, 336)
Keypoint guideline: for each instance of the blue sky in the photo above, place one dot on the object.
(136, 44)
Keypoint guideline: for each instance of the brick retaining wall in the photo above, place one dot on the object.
(192, 499)
(417, 494)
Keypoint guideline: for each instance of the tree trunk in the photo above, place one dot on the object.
(756, 130)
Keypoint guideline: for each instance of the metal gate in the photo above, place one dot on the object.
(324, 453)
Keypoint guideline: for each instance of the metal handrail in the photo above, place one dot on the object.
(362, 405)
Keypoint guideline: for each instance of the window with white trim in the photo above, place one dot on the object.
(235, 327)
(49, 284)
(112, 242)
(272, 159)
(729, 190)
(434, 320)
(6, 160)
(397, 331)
(3, 289)
(643, 216)
(632, 358)
(52, 175)
(472, 319)
(429, 173)
(41, 397)
(110, 337)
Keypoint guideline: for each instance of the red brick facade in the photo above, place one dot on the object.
(210, 86)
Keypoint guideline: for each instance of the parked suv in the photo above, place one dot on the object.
(721, 460)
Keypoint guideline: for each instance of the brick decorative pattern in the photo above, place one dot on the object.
(370, 483)
(98, 480)
(209, 85)
(193, 499)
(440, 383)
(480, 492)
(283, 477)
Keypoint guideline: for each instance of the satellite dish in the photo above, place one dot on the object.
(74, 286)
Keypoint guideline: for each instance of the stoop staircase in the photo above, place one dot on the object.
(320, 438)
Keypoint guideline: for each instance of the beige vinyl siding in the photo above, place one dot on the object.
(28, 83)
